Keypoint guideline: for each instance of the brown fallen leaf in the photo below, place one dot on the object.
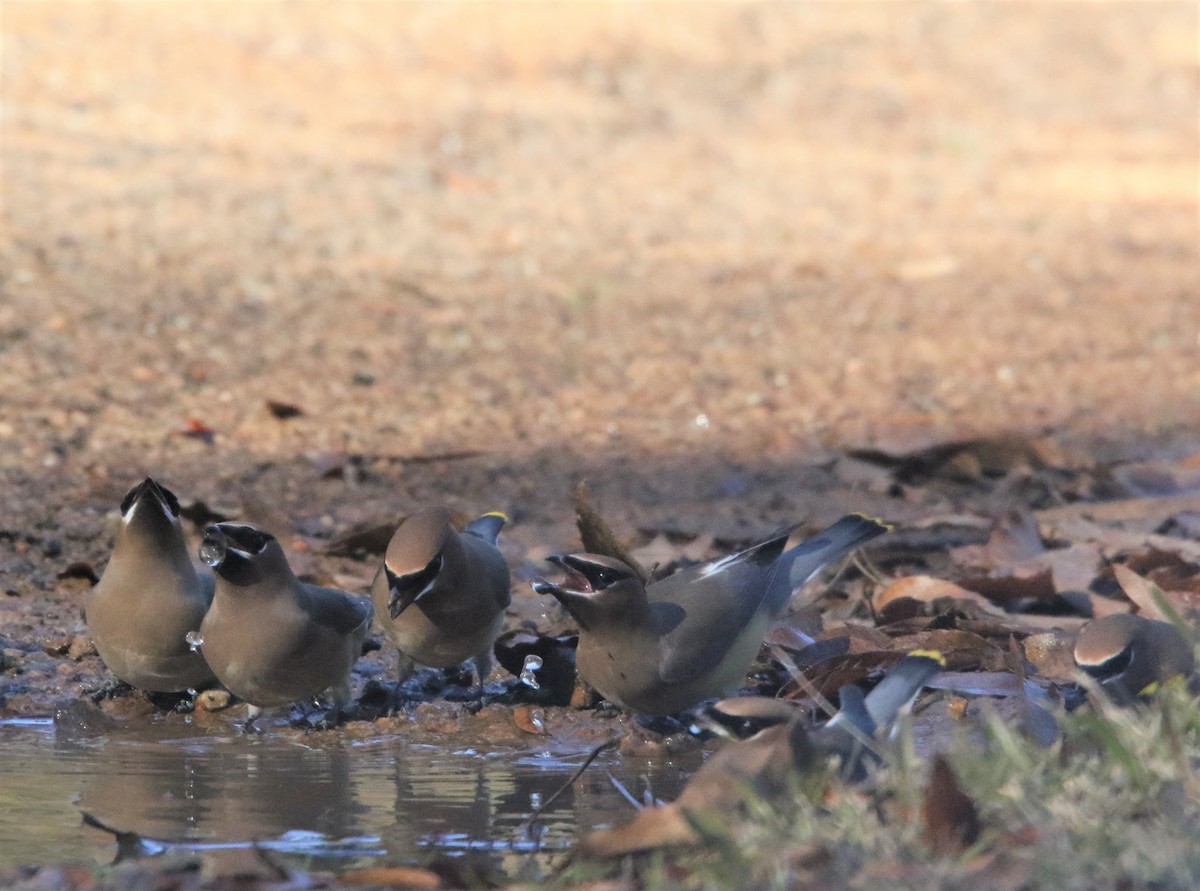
(1142, 592)
(1014, 540)
(827, 677)
(788, 639)
(1022, 626)
(925, 589)
(1074, 568)
(1113, 540)
(1011, 591)
(950, 820)
(597, 537)
(1174, 575)
(806, 656)
(962, 650)
(863, 638)
(392, 877)
(1121, 509)
(964, 460)
(372, 538)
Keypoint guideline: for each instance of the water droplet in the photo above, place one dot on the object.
(531, 665)
(194, 640)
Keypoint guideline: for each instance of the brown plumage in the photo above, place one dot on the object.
(149, 598)
(663, 648)
(270, 638)
(441, 594)
(1128, 654)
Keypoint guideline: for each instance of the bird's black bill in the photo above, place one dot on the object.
(223, 539)
(148, 488)
(408, 589)
(590, 575)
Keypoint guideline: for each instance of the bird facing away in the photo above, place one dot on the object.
(775, 759)
(441, 594)
(270, 638)
(150, 597)
(1129, 655)
(663, 648)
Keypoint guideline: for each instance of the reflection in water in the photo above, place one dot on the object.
(330, 806)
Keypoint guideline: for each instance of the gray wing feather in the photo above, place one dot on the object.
(757, 578)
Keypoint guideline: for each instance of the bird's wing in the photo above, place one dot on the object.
(339, 611)
(698, 623)
(489, 563)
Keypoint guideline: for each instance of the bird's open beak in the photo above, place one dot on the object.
(574, 583)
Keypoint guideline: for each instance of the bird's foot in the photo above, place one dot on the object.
(110, 689)
(319, 716)
(663, 725)
(182, 702)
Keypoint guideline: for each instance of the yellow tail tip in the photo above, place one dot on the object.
(497, 513)
(930, 654)
(878, 521)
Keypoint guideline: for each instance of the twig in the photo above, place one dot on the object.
(532, 818)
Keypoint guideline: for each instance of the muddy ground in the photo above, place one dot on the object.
(694, 255)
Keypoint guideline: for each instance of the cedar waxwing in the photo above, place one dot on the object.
(859, 720)
(150, 597)
(662, 648)
(270, 638)
(767, 763)
(1131, 654)
(441, 594)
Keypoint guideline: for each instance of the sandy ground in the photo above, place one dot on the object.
(687, 252)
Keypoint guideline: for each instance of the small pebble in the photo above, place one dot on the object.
(81, 646)
(212, 700)
(57, 645)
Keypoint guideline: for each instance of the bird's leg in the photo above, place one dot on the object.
(405, 667)
(482, 664)
(252, 713)
(342, 697)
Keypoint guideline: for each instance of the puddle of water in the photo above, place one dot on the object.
(328, 807)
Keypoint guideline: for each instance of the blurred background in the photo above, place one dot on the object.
(478, 251)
